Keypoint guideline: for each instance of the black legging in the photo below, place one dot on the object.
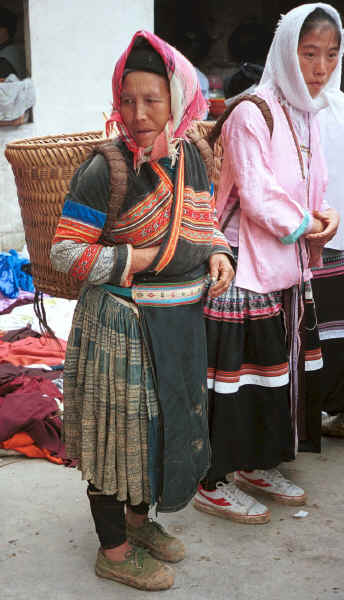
(109, 517)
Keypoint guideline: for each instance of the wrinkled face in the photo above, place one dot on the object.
(318, 53)
(145, 106)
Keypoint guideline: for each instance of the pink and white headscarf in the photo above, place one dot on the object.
(187, 101)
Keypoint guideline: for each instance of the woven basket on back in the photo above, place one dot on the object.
(213, 169)
(43, 168)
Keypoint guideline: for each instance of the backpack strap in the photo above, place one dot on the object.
(206, 136)
(263, 107)
(198, 135)
(259, 102)
(118, 185)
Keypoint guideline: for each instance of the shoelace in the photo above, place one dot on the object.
(158, 527)
(275, 477)
(230, 490)
(137, 555)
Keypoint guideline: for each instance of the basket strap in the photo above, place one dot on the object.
(118, 184)
(197, 134)
(261, 104)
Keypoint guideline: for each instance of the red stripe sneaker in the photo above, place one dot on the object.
(271, 482)
(228, 502)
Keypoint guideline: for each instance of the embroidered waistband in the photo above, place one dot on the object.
(172, 294)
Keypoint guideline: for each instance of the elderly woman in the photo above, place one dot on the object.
(264, 350)
(135, 373)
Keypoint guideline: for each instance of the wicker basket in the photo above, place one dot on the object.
(43, 168)
(204, 128)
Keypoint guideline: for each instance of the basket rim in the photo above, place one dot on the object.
(36, 142)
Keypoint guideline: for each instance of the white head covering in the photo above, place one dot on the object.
(282, 68)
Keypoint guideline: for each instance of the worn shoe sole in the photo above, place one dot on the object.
(150, 585)
(288, 500)
(246, 519)
(160, 555)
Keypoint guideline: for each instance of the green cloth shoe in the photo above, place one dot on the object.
(140, 570)
(161, 545)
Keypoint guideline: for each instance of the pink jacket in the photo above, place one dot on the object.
(275, 210)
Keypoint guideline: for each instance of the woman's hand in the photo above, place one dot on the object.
(141, 258)
(221, 273)
(330, 221)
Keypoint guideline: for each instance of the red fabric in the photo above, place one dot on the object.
(23, 443)
(27, 406)
(33, 350)
(18, 334)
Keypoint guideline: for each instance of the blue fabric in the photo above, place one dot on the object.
(85, 214)
(167, 164)
(120, 291)
(12, 278)
(293, 237)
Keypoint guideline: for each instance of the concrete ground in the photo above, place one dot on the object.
(48, 544)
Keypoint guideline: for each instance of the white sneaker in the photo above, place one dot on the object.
(273, 483)
(228, 502)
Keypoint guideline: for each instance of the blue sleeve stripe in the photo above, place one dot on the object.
(293, 237)
(84, 214)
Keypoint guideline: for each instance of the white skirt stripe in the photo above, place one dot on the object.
(225, 387)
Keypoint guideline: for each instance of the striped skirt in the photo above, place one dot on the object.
(258, 362)
(328, 288)
(109, 396)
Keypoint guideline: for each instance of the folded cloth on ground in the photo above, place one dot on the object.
(9, 373)
(24, 444)
(19, 334)
(12, 278)
(31, 350)
(8, 304)
(32, 407)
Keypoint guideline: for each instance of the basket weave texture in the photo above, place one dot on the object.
(43, 168)
(213, 165)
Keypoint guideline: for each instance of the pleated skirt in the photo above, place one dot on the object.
(109, 396)
(254, 378)
(328, 288)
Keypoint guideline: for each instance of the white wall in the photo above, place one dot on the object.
(74, 47)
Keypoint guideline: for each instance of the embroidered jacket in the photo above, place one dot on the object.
(145, 220)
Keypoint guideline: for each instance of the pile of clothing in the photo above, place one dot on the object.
(31, 367)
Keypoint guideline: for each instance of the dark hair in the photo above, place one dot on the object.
(317, 17)
(240, 80)
(249, 42)
(8, 20)
(143, 57)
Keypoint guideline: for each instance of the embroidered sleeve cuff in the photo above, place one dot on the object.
(225, 250)
(128, 265)
(301, 230)
(121, 264)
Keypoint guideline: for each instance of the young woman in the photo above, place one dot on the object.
(263, 342)
(135, 387)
